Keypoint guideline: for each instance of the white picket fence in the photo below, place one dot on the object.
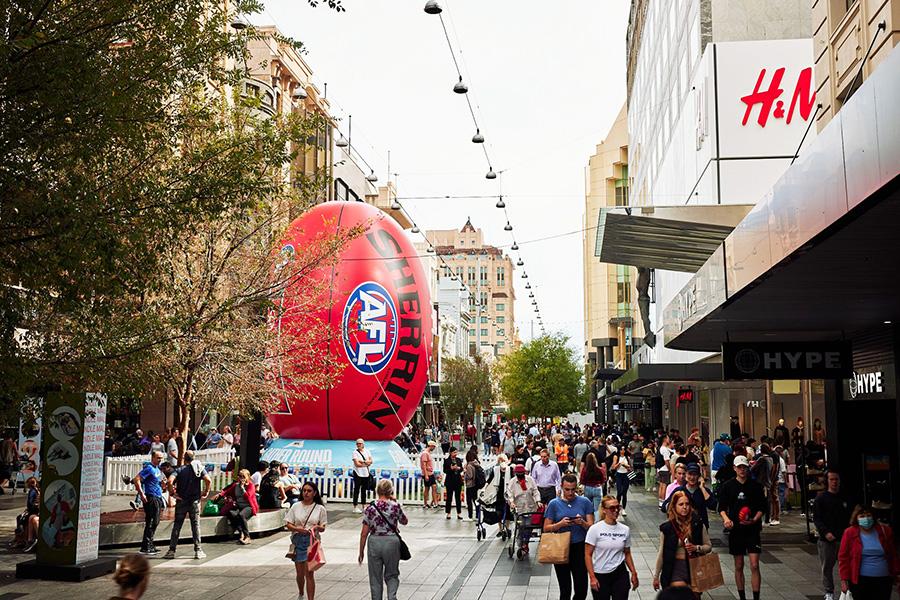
(215, 460)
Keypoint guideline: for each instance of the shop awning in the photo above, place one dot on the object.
(675, 238)
(643, 375)
(816, 258)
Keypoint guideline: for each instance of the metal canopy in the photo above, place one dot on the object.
(641, 375)
(675, 238)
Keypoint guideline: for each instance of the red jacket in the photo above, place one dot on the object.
(850, 554)
(250, 492)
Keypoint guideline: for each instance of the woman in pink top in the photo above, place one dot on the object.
(426, 464)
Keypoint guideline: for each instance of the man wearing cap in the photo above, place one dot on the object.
(701, 498)
(742, 504)
(720, 450)
(429, 481)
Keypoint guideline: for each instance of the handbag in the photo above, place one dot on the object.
(404, 549)
(554, 548)
(210, 509)
(706, 572)
(316, 556)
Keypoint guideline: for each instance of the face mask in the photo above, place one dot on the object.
(866, 522)
(520, 476)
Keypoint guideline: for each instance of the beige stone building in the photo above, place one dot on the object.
(843, 30)
(610, 311)
(488, 274)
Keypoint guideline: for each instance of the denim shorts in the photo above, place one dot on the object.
(301, 546)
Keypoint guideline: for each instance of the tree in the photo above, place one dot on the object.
(122, 146)
(542, 378)
(466, 386)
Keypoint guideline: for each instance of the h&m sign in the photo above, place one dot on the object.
(800, 360)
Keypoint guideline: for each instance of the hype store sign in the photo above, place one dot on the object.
(766, 97)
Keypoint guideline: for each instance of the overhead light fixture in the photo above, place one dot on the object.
(460, 87)
(238, 24)
(887, 322)
(490, 174)
(342, 142)
(477, 138)
(501, 203)
(515, 246)
(372, 177)
(415, 229)
(521, 263)
(433, 8)
(524, 275)
(396, 205)
(527, 286)
(508, 227)
(531, 294)
(299, 93)
(534, 302)
(430, 250)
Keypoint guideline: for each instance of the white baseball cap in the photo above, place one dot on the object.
(740, 461)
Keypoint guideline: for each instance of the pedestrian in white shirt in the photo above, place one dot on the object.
(361, 472)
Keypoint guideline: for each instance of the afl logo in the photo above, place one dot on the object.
(369, 328)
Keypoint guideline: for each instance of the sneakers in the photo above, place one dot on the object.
(356, 509)
(775, 522)
(623, 513)
(151, 552)
(170, 554)
(30, 546)
(829, 596)
(133, 505)
(199, 554)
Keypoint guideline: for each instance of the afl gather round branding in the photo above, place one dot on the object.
(369, 328)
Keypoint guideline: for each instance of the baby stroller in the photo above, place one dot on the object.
(490, 513)
(528, 527)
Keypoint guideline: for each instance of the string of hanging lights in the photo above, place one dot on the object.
(433, 7)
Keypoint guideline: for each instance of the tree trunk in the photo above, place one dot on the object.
(184, 397)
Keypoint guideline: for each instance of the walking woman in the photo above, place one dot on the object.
(243, 505)
(453, 481)
(381, 521)
(681, 536)
(497, 479)
(472, 466)
(607, 555)
(649, 452)
(574, 514)
(132, 577)
(593, 477)
(622, 467)
(867, 561)
(306, 520)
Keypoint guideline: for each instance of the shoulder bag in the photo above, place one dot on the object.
(404, 549)
(315, 557)
(554, 548)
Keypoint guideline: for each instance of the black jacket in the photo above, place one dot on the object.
(831, 515)
(670, 546)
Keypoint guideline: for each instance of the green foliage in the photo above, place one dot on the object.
(122, 143)
(466, 386)
(543, 378)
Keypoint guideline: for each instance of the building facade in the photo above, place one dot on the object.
(609, 311)
(488, 275)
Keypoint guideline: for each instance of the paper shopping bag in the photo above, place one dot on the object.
(706, 573)
(316, 557)
(554, 548)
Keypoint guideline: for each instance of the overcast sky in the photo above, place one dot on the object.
(547, 79)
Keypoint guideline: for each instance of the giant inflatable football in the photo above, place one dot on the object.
(376, 300)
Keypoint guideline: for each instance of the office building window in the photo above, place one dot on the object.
(483, 298)
(501, 345)
(501, 307)
(484, 332)
(483, 275)
(623, 292)
(501, 319)
(459, 273)
(470, 274)
(471, 332)
(501, 332)
(484, 319)
(501, 276)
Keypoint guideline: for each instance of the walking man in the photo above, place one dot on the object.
(184, 486)
(741, 506)
(831, 516)
(547, 477)
(149, 488)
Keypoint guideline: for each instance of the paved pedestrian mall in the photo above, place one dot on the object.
(448, 563)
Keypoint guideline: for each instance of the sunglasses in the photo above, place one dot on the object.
(615, 508)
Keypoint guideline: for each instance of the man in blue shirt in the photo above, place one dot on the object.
(149, 488)
(574, 514)
(720, 450)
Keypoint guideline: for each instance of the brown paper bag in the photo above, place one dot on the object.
(706, 572)
(554, 548)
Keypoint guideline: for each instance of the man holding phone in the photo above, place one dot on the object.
(575, 514)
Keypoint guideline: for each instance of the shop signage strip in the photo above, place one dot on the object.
(789, 360)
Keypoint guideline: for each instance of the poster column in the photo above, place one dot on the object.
(71, 483)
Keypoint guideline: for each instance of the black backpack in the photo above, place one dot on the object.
(480, 477)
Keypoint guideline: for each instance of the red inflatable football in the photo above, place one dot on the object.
(744, 514)
(377, 302)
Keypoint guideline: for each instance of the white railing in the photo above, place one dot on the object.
(408, 486)
(487, 461)
(214, 459)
